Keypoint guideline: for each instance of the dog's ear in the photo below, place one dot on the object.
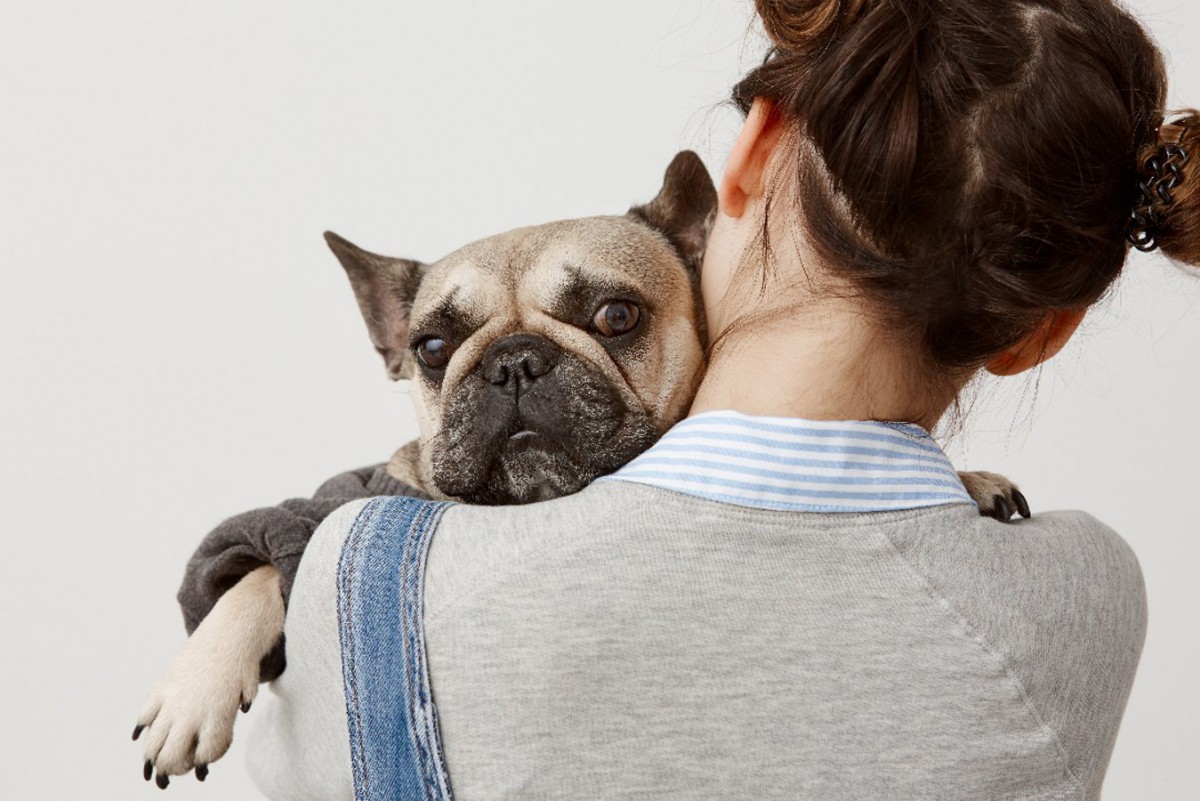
(385, 288)
(684, 208)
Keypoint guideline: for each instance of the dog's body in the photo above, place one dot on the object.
(540, 359)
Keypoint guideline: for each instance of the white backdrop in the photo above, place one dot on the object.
(178, 345)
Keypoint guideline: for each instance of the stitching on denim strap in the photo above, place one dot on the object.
(380, 582)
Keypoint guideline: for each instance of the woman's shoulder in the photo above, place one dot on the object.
(1071, 554)
(1059, 582)
(1091, 547)
(1066, 562)
(1060, 601)
(1059, 573)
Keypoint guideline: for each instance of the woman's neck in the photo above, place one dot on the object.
(825, 362)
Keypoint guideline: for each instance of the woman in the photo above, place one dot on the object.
(788, 597)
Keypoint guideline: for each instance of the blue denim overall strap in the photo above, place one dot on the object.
(395, 748)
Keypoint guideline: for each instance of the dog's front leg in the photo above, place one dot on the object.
(189, 716)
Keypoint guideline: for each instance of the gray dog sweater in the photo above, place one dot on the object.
(634, 641)
(272, 535)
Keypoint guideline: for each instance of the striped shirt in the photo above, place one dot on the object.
(800, 465)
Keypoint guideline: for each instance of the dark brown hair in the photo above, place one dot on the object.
(973, 163)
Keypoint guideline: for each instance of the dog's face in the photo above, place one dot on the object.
(547, 356)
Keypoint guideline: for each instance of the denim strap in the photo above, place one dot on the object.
(395, 748)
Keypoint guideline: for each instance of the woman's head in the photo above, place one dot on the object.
(969, 167)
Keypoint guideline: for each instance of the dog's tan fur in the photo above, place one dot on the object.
(511, 281)
(191, 710)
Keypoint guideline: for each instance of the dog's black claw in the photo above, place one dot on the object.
(1022, 504)
(1003, 511)
(246, 706)
(137, 731)
(148, 771)
(162, 780)
(201, 772)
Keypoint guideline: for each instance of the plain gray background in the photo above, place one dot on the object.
(179, 346)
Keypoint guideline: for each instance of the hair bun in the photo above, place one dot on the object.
(1173, 203)
(796, 26)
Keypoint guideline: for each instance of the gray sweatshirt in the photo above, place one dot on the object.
(632, 642)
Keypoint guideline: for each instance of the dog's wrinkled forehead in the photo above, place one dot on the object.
(542, 279)
(547, 269)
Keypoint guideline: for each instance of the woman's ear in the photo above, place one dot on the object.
(747, 164)
(1040, 346)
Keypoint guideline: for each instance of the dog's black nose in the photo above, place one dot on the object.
(518, 360)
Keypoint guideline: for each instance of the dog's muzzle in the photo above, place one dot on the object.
(532, 421)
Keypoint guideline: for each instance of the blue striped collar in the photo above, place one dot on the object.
(800, 465)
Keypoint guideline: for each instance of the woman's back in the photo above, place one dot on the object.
(631, 641)
(918, 654)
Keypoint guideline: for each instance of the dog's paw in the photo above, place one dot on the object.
(996, 495)
(188, 717)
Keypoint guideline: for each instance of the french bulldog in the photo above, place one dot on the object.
(547, 356)
(540, 359)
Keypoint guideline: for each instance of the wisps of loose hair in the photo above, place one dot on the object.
(973, 163)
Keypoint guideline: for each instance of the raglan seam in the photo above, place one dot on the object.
(972, 633)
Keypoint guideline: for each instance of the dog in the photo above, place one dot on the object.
(540, 360)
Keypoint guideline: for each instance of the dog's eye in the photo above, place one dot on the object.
(616, 318)
(434, 353)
